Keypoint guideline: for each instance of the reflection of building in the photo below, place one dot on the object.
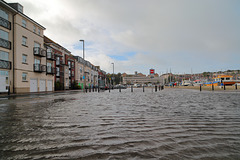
(139, 78)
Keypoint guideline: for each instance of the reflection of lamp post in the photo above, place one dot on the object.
(84, 74)
(113, 74)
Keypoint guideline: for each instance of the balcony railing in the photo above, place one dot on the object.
(39, 68)
(50, 56)
(51, 70)
(5, 43)
(37, 51)
(5, 23)
(5, 64)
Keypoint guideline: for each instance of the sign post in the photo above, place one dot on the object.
(152, 72)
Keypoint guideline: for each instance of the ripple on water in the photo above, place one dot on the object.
(171, 124)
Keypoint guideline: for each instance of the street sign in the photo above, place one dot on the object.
(83, 77)
(152, 71)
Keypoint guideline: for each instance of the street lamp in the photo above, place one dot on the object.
(84, 74)
(113, 73)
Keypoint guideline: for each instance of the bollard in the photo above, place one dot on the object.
(159, 88)
(8, 90)
(109, 89)
(236, 86)
(212, 87)
(200, 87)
(98, 89)
(224, 87)
(156, 88)
(119, 88)
(143, 88)
(131, 88)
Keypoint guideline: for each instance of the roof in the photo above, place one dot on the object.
(48, 41)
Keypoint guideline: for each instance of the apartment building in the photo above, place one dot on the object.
(6, 46)
(30, 56)
(91, 72)
(71, 70)
(79, 71)
(32, 62)
(61, 64)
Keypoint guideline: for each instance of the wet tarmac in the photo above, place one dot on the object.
(170, 124)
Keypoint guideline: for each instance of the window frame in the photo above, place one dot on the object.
(2, 53)
(24, 62)
(24, 23)
(24, 41)
(24, 77)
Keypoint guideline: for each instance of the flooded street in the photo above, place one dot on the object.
(170, 124)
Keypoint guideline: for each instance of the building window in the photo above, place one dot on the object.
(49, 67)
(24, 41)
(5, 74)
(24, 77)
(80, 69)
(39, 31)
(4, 56)
(24, 58)
(3, 14)
(24, 23)
(34, 29)
(3, 34)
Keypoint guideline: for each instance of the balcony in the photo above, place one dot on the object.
(51, 70)
(5, 64)
(50, 56)
(37, 51)
(5, 23)
(39, 68)
(5, 43)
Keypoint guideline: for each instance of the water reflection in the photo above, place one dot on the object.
(171, 124)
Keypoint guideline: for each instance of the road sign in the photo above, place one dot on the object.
(152, 71)
(83, 77)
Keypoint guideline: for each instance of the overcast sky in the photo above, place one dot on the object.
(136, 35)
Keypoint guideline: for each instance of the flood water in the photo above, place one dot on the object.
(170, 124)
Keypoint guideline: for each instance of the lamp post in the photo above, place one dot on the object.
(113, 74)
(84, 74)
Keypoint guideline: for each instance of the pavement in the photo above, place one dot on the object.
(5, 95)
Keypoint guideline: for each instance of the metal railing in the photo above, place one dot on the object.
(51, 70)
(50, 56)
(5, 23)
(5, 64)
(39, 68)
(37, 51)
(5, 43)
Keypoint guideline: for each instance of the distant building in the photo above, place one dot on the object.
(139, 78)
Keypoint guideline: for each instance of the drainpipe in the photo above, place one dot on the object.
(13, 17)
